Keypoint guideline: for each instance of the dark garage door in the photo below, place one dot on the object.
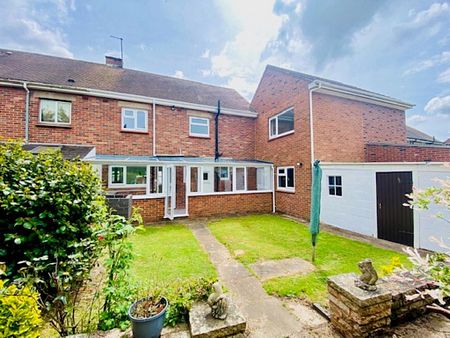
(395, 221)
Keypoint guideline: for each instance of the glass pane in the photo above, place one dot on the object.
(199, 121)
(201, 130)
(251, 178)
(136, 175)
(117, 175)
(286, 122)
(141, 120)
(282, 181)
(48, 110)
(338, 180)
(128, 123)
(331, 190)
(224, 173)
(338, 191)
(128, 113)
(290, 177)
(221, 185)
(194, 179)
(280, 170)
(240, 178)
(64, 112)
(330, 180)
(156, 180)
(273, 127)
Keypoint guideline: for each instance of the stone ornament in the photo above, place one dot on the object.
(218, 302)
(368, 279)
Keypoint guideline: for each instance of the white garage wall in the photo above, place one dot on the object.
(356, 209)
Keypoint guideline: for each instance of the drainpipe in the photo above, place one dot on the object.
(312, 87)
(27, 111)
(154, 127)
(216, 150)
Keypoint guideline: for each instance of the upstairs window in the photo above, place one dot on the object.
(198, 126)
(282, 124)
(286, 179)
(134, 119)
(57, 112)
(335, 185)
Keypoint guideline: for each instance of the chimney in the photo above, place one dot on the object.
(113, 62)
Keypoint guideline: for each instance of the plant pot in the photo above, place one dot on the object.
(150, 327)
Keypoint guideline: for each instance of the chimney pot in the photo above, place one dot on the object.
(114, 62)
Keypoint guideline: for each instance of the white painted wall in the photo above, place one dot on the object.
(356, 209)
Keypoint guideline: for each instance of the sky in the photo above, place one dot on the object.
(398, 48)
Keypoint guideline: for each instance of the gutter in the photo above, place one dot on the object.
(128, 97)
(360, 95)
(27, 112)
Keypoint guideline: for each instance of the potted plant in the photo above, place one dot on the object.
(147, 317)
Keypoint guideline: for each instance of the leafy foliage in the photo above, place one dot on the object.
(19, 311)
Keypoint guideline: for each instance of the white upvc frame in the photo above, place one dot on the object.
(225, 178)
(55, 122)
(334, 186)
(124, 184)
(191, 123)
(275, 118)
(286, 189)
(135, 111)
(235, 177)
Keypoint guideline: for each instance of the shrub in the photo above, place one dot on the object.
(19, 312)
(52, 212)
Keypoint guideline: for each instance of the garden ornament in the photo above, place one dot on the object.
(218, 302)
(368, 279)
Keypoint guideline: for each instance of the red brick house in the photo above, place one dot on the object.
(155, 136)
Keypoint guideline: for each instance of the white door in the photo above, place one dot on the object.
(208, 179)
(169, 202)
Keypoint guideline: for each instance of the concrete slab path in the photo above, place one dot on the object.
(266, 315)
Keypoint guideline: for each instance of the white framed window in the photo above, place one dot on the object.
(335, 185)
(281, 124)
(198, 126)
(127, 176)
(134, 119)
(55, 112)
(224, 173)
(286, 179)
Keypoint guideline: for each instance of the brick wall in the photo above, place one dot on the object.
(406, 153)
(151, 209)
(12, 116)
(97, 121)
(229, 204)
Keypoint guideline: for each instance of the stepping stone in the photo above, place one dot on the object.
(203, 325)
(279, 268)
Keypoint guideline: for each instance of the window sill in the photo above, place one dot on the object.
(286, 191)
(271, 138)
(133, 131)
(53, 125)
(200, 136)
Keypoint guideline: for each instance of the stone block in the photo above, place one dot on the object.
(203, 325)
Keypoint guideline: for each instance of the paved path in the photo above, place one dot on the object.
(266, 315)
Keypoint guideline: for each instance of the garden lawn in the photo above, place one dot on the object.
(267, 237)
(164, 254)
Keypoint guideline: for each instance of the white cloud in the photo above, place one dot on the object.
(205, 72)
(240, 61)
(142, 46)
(179, 74)
(438, 105)
(434, 11)
(25, 27)
(425, 64)
(444, 77)
(206, 54)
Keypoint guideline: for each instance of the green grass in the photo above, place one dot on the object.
(266, 237)
(164, 254)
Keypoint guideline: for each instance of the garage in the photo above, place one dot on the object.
(369, 198)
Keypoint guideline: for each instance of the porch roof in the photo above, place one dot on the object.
(100, 158)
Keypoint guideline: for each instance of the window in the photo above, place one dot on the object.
(128, 176)
(134, 119)
(335, 185)
(52, 111)
(223, 180)
(281, 124)
(155, 180)
(198, 126)
(286, 178)
(240, 179)
(224, 173)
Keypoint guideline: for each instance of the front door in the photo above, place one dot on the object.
(395, 221)
(169, 201)
(175, 204)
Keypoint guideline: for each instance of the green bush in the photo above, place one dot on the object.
(19, 312)
(52, 212)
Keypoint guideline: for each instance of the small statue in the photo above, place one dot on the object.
(367, 281)
(218, 302)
